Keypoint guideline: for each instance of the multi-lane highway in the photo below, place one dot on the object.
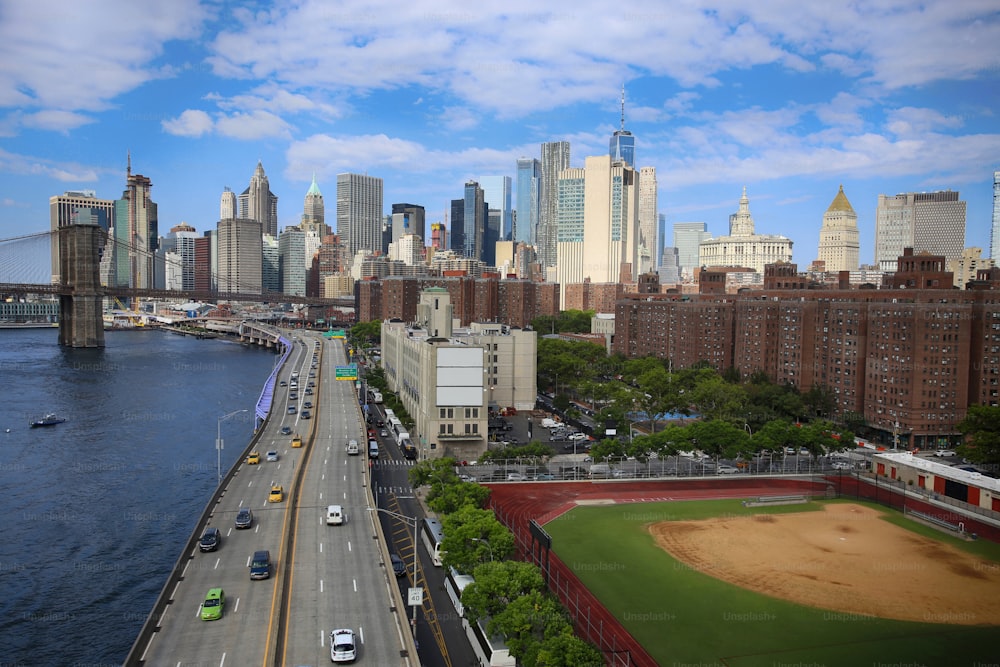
(322, 577)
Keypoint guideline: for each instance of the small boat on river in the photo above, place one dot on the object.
(48, 420)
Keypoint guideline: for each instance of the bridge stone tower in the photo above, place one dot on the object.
(80, 304)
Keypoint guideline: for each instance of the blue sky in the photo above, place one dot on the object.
(790, 99)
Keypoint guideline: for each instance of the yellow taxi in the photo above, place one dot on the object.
(253, 458)
(296, 441)
(277, 494)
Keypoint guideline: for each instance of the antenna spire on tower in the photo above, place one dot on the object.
(128, 170)
(623, 107)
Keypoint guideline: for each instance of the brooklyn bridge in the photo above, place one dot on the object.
(24, 273)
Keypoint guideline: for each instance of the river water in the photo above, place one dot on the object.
(96, 510)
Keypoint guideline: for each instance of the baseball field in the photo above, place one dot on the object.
(822, 583)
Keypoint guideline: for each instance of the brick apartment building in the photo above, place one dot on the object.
(909, 359)
(482, 299)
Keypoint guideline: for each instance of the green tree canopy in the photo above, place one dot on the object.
(981, 427)
(473, 536)
(496, 584)
(567, 650)
(527, 622)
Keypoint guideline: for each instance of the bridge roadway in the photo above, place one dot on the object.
(335, 576)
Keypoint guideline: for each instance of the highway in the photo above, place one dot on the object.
(331, 577)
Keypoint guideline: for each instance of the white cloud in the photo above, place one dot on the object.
(191, 123)
(81, 56)
(253, 125)
(911, 121)
(53, 119)
(14, 163)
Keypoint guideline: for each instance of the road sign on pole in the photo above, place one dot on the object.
(347, 372)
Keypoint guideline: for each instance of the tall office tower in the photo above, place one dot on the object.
(995, 229)
(413, 220)
(622, 144)
(240, 254)
(474, 213)
(74, 207)
(743, 246)
(669, 269)
(555, 158)
(204, 267)
(838, 237)
(136, 233)
(605, 247)
(687, 237)
(932, 222)
(313, 211)
(270, 270)
(529, 195)
(661, 235)
(292, 261)
(438, 236)
(359, 212)
(181, 240)
(457, 240)
(227, 204)
(497, 191)
(258, 202)
(648, 254)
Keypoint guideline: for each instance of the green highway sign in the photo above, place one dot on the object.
(347, 372)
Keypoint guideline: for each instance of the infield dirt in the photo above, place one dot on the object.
(845, 558)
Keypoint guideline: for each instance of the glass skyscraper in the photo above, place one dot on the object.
(496, 190)
(529, 199)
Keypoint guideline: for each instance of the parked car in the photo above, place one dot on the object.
(840, 465)
(726, 469)
(945, 453)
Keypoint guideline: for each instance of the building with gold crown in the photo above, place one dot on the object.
(742, 247)
(838, 237)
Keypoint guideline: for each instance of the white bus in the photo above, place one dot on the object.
(491, 651)
(431, 534)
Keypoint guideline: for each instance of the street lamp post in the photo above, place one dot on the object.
(487, 543)
(219, 443)
(408, 520)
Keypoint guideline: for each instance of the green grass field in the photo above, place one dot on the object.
(683, 617)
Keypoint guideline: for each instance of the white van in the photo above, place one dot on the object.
(352, 448)
(373, 449)
(334, 515)
(548, 422)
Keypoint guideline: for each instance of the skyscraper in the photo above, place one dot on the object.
(648, 255)
(240, 256)
(529, 183)
(258, 203)
(227, 204)
(181, 240)
(838, 237)
(359, 212)
(136, 233)
(932, 222)
(622, 144)
(497, 191)
(995, 229)
(412, 220)
(314, 212)
(687, 237)
(474, 215)
(292, 261)
(555, 158)
(607, 249)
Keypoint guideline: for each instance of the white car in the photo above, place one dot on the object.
(840, 465)
(342, 646)
(724, 469)
(945, 452)
(577, 436)
(516, 477)
(272, 456)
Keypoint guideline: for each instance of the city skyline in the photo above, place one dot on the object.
(789, 102)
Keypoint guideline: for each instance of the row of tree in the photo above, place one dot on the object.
(510, 596)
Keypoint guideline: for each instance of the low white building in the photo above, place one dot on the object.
(449, 378)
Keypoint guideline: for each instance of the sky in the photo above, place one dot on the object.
(789, 99)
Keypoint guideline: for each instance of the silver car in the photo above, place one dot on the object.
(342, 646)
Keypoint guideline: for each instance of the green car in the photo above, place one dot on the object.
(211, 609)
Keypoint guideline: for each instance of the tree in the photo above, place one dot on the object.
(496, 584)
(981, 427)
(473, 536)
(717, 438)
(527, 621)
(567, 650)
(453, 497)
